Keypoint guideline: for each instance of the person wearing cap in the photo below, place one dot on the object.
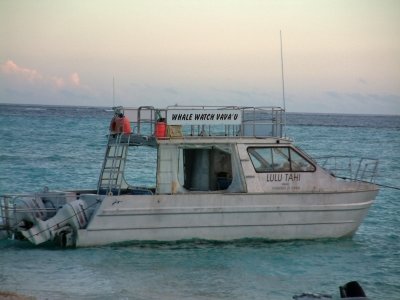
(122, 124)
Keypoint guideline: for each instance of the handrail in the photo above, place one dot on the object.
(4, 212)
(260, 122)
(350, 167)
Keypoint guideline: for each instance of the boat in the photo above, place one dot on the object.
(222, 173)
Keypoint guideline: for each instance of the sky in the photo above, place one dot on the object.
(339, 56)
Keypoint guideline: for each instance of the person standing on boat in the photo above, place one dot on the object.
(122, 124)
(113, 124)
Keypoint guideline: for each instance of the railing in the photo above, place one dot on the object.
(8, 211)
(205, 121)
(5, 222)
(349, 167)
(262, 121)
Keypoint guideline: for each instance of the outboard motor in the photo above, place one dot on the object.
(29, 209)
(62, 226)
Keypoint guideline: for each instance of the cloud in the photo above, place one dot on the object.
(10, 67)
(32, 76)
(58, 82)
(74, 79)
(20, 84)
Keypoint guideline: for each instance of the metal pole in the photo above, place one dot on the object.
(283, 84)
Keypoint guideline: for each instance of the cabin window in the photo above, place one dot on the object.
(278, 159)
(206, 169)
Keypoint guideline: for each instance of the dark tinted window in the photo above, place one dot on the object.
(278, 159)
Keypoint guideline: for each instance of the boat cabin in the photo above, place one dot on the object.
(206, 149)
(211, 150)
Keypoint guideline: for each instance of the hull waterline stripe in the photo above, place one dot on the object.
(222, 226)
(193, 211)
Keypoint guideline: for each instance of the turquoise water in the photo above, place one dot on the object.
(63, 148)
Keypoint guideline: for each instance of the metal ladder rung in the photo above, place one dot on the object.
(110, 169)
(114, 162)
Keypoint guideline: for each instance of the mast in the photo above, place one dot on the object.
(113, 91)
(283, 84)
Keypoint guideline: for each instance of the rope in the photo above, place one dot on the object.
(378, 184)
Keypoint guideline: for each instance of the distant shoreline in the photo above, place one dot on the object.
(108, 107)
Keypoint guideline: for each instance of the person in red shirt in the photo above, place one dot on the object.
(120, 124)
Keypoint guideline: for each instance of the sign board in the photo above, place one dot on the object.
(204, 117)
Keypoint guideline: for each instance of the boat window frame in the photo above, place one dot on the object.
(222, 181)
(289, 149)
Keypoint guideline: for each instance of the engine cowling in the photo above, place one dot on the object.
(68, 219)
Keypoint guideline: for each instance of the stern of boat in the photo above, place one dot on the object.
(46, 216)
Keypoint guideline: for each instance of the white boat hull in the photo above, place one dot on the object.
(226, 217)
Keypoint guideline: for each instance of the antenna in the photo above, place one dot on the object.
(283, 84)
(113, 91)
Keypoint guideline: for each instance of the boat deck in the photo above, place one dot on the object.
(150, 124)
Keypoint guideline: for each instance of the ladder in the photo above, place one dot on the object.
(112, 172)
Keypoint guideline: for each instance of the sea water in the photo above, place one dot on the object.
(63, 147)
